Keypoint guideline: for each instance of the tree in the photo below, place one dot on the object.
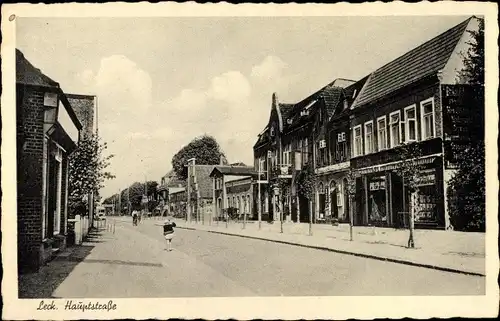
(409, 170)
(136, 191)
(467, 189)
(351, 193)
(87, 173)
(306, 184)
(284, 188)
(204, 149)
(473, 71)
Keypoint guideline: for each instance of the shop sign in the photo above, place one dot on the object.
(377, 184)
(427, 177)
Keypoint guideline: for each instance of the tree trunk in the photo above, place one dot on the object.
(351, 218)
(310, 217)
(413, 197)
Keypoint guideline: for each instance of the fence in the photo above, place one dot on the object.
(81, 228)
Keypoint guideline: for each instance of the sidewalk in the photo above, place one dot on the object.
(450, 251)
(45, 282)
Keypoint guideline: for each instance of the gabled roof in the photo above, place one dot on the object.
(331, 96)
(27, 74)
(285, 109)
(423, 61)
(234, 171)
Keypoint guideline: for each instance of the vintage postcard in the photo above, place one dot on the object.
(247, 161)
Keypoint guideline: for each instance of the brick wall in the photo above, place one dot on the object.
(83, 106)
(29, 187)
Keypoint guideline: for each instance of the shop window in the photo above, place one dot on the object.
(382, 133)
(377, 213)
(358, 141)
(410, 124)
(369, 137)
(395, 128)
(427, 118)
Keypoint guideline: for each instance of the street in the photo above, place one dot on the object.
(132, 262)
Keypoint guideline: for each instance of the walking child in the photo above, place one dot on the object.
(168, 233)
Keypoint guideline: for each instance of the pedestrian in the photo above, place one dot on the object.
(134, 217)
(168, 232)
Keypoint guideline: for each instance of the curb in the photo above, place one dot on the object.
(323, 248)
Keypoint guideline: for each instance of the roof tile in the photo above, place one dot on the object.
(425, 60)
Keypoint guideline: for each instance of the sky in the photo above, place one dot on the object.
(161, 82)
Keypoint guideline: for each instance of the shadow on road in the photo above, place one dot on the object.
(43, 283)
(120, 262)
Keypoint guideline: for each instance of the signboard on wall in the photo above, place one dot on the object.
(377, 183)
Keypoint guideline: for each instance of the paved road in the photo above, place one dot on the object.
(132, 263)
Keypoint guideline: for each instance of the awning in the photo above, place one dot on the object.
(57, 134)
(392, 166)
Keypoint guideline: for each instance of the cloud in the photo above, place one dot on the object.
(273, 75)
(121, 78)
(231, 87)
(232, 107)
(269, 69)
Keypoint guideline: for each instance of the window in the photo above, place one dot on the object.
(339, 195)
(286, 155)
(305, 151)
(382, 133)
(410, 124)
(369, 137)
(358, 141)
(395, 128)
(427, 118)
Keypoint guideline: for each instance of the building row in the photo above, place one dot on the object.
(349, 136)
(49, 125)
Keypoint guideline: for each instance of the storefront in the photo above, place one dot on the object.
(383, 200)
(378, 213)
(332, 198)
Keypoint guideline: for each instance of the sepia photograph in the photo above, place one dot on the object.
(239, 154)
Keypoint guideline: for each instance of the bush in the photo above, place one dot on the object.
(466, 195)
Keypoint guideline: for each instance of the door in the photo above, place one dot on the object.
(304, 209)
(333, 203)
(322, 203)
(52, 196)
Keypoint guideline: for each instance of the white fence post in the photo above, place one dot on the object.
(78, 230)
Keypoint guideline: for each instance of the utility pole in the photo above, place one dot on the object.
(128, 201)
(259, 204)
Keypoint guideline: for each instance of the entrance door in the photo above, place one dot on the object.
(52, 196)
(322, 203)
(333, 203)
(347, 205)
(304, 209)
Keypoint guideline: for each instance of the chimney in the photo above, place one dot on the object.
(275, 99)
(221, 160)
